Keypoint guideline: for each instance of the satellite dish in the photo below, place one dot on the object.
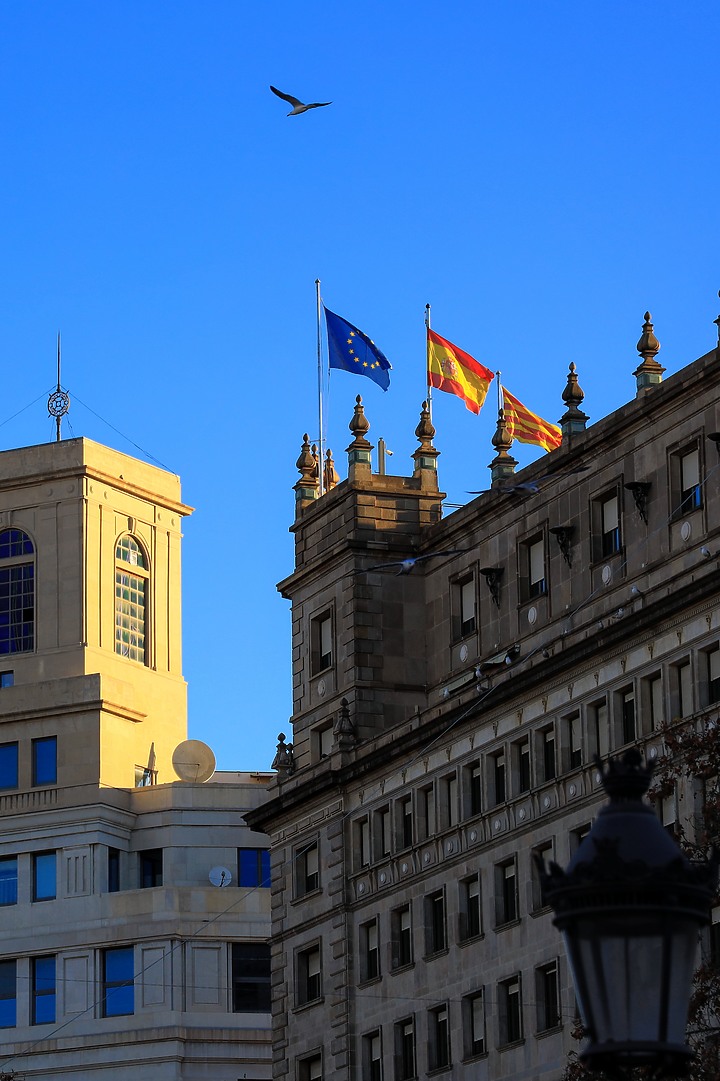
(193, 760)
(220, 876)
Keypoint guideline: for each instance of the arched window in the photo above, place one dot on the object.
(17, 592)
(131, 584)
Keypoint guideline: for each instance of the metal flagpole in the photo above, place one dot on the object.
(427, 358)
(498, 374)
(321, 457)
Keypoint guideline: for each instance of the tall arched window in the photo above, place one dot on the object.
(131, 584)
(17, 592)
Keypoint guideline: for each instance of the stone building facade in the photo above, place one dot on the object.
(454, 678)
(119, 957)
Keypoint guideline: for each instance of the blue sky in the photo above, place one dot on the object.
(540, 173)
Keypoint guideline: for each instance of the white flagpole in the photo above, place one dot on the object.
(500, 401)
(321, 458)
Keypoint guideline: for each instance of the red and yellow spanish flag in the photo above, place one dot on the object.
(452, 370)
(527, 427)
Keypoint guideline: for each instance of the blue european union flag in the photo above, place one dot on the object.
(353, 351)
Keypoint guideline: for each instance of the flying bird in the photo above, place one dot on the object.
(298, 106)
(532, 487)
(406, 565)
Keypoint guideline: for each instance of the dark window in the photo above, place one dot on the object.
(610, 526)
(308, 870)
(545, 852)
(474, 1024)
(8, 994)
(655, 700)
(547, 737)
(44, 876)
(369, 951)
(577, 837)
(362, 842)
(438, 1038)
(405, 822)
(506, 903)
(8, 765)
(573, 735)
(7, 679)
(321, 643)
(8, 880)
(690, 490)
(43, 990)
(713, 672)
(548, 996)
(498, 764)
(427, 811)
(309, 975)
(251, 977)
(113, 870)
(473, 773)
(684, 693)
(466, 605)
(627, 706)
(44, 760)
(522, 765)
(510, 1011)
(401, 930)
(449, 796)
(382, 832)
(151, 868)
(470, 917)
(405, 1049)
(534, 554)
(254, 867)
(118, 982)
(310, 1069)
(131, 588)
(17, 592)
(372, 1057)
(599, 727)
(436, 936)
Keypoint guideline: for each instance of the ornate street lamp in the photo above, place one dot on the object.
(629, 907)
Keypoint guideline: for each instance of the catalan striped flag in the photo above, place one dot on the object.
(456, 372)
(528, 427)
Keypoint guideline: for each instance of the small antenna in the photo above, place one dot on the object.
(59, 400)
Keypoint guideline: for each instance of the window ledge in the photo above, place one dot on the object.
(436, 1070)
(471, 938)
(548, 1032)
(370, 980)
(402, 968)
(542, 911)
(510, 1046)
(436, 953)
(475, 1058)
(303, 897)
(308, 1005)
(509, 923)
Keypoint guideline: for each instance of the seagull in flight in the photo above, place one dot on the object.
(297, 105)
(532, 487)
(407, 565)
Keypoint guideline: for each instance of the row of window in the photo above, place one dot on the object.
(43, 762)
(606, 541)
(17, 595)
(432, 1034)
(253, 871)
(250, 983)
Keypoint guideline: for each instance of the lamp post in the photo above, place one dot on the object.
(629, 907)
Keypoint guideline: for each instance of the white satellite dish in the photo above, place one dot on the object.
(220, 876)
(193, 760)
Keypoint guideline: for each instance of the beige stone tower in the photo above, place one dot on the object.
(90, 620)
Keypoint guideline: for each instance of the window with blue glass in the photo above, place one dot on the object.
(43, 990)
(8, 765)
(131, 586)
(8, 880)
(44, 876)
(17, 592)
(8, 994)
(7, 679)
(118, 982)
(151, 868)
(253, 867)
(44, 760)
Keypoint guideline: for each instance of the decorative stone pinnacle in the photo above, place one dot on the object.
(503, 464)
(573, 394)
(284, 760)
(330, 473)
(650, 371)
(359, 425)
(573, 419)
(425, 429)
(717, 323)
(306, 488)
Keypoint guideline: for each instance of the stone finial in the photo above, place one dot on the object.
(650, 371)
(425, 457)
(306, 489)
(503, 464)
(316, 460)
(573, 419)
(359, 460)
(330, 474)
(717, 324)
(344, 729)
(284, 760)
